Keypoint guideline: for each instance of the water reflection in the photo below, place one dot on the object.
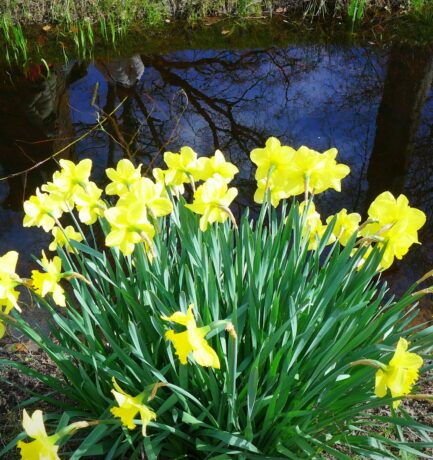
(375, 105)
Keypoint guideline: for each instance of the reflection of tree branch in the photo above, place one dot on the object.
(118, 137)
(206, 62)
(168, 142)
(222, 106)
(156, 139)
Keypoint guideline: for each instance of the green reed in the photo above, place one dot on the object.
(16, 48)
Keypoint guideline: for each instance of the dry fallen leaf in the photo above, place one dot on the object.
(22, 347)
(225, 32)
(280, 10)
(46, 28)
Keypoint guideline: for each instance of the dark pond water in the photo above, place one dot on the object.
(374, 103)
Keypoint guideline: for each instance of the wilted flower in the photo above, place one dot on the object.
(192, 340)
(129, 406)
(212, 200)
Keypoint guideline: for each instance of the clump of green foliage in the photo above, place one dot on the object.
(247, 339)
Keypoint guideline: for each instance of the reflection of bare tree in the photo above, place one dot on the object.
(409, 78)
(204, 104)
(122, 75)
(223, 87)
(35, 122)
(219, 98)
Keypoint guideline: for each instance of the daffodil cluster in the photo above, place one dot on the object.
(283, 172)
(130, 212)
(142, 201)
(70, 187)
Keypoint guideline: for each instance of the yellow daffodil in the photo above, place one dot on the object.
(75, 174)
(62, 237)
(68, 181)
(8, 282)
(122, 177)
(276, 193)
(314, 172)
(212, 200)
(400, 374)
(313, 225)
(182, 167)
(160, 176)
(89, 204)
(41, 210)
(129, 226)
(129, 406)
(273, 158)
(152, 195)
(396, 225)
(192, 340)
(48, 282)
(345, 225)
(216, 166)
(60, 192)
(43, 447)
